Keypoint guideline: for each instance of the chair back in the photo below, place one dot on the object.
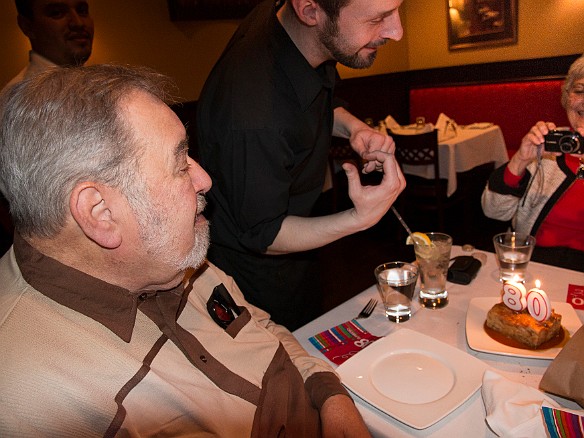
(417, 149)
(421, 193)
(429, 194)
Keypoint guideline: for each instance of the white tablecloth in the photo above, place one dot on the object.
(470, 148)
(448, 325)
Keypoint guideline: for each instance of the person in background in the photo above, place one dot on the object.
(265, 119)
(101, 331)
(60, 34)
(543, 192)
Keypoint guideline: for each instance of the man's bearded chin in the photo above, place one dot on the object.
(198, 253)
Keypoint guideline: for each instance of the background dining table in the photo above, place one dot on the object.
(448, 325)
(472, 146)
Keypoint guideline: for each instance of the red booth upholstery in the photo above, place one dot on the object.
(514, 106)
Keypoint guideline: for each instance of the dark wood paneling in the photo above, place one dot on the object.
(377, 96)
(504, 71)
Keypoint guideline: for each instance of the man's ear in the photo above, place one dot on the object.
(307, 11)
(91, 207)
(25, 26)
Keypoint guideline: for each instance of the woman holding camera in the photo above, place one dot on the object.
(542, 192)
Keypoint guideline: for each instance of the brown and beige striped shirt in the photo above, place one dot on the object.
(80, 357)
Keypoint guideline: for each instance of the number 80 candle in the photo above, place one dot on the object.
(514, 295)
(538, 303)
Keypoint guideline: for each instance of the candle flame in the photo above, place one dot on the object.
(537, 284)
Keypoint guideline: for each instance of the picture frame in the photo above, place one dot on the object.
(479, 23)
(187, 10)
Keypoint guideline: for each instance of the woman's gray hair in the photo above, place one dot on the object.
(66, 126)
(575, 73)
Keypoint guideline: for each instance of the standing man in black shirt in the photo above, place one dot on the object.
(265, 120)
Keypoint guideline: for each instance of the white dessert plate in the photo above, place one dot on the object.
(413, 377)
(479, 340)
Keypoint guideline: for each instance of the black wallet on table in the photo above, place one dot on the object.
(463, 270)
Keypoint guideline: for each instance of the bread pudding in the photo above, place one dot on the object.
(522, 327)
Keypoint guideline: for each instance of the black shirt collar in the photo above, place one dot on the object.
(306, 80)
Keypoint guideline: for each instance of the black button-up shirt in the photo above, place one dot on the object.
(265, 120)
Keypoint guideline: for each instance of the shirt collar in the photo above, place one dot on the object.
(40, 61)
(112, 306)
(306, 80)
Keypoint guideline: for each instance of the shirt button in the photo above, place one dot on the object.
(143, 296)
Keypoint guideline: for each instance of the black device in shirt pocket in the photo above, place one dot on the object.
(463, 269)
(221, 306)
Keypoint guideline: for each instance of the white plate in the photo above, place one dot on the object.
(479, 340)
(412, 377)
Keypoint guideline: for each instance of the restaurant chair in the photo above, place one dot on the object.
(423, 194)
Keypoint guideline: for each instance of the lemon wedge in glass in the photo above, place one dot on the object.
(418, 239)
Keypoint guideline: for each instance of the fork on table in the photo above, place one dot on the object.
(367, 310)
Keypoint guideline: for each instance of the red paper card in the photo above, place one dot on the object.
(342, 341)
(576, 296)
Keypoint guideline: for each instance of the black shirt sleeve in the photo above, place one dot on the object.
(497, 183)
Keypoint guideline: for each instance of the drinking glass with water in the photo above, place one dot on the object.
(396, 283)
(513, 254)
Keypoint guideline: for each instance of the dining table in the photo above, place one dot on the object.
(470, 146)
(448, 325)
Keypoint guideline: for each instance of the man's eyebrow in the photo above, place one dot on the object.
(388, 13)
(55, 4)
(181, 148)
(180, 153)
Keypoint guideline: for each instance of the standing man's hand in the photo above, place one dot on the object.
(363, 138)
(372, 202)
(367, 140)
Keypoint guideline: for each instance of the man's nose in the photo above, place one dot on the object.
(394, 30)
(75, 20)
(200, 179)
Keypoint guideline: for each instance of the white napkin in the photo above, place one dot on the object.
(514, 409)
(447, 128)
(441, 122)
(390, 123)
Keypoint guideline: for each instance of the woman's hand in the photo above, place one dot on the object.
(530, 145)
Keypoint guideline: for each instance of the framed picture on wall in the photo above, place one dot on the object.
(478, 23)
(184, 10)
